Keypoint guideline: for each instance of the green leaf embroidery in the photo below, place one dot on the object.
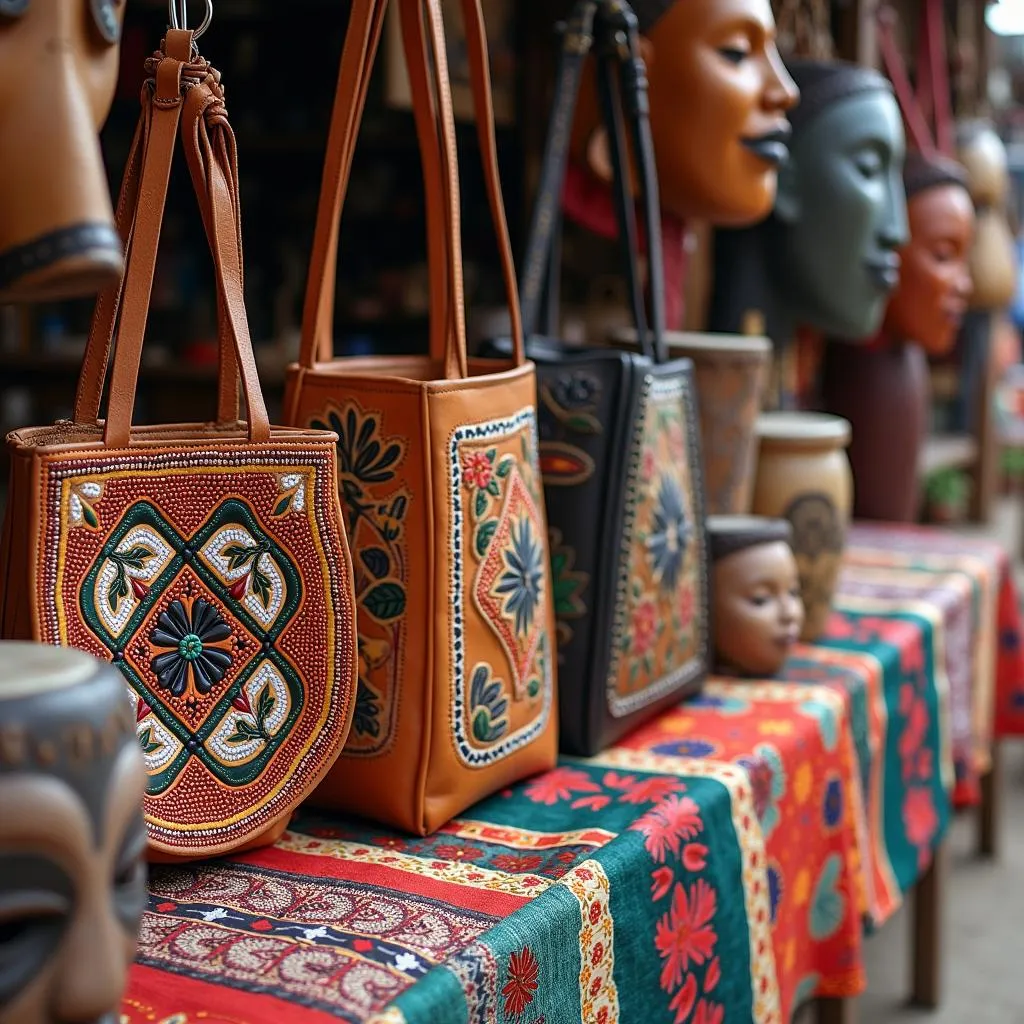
(484, 533)
(283, 505)
(265, 704)
(147, 741)
(385, 601)
(89, 514)
(480, 508)
(244, 732)
(261, 584)
(136, 556)
(118, 588)
(493, 488)
(492, 454)
(583, 423)
(239, 554)
(505, 466)
(533, 688)
(376, 560)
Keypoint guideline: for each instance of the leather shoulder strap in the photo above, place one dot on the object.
(577, 42)
(183, 84)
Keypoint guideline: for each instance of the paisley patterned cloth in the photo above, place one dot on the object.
(720, 864)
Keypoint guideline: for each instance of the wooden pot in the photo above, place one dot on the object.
(731, 374)
(884, 394)
(803, 475)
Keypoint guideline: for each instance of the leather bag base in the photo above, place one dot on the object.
(441, 490)
(209, 567)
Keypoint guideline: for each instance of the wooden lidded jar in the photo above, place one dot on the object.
(803, 475)
(731, 374)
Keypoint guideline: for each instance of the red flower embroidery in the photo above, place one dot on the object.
(449, 851)
(686, 603)
(709, 1013)
(919, 816)
(645, 628)
(668, 825)
(712, 976)
(477, 469)
(560, 784)
(662, 880)
(517, 863)
(522, 982)
(685, 932)
(683, 1000)
(652, 790)
(695, 857)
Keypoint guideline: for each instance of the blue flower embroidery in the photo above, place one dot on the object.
(685, 748)
(774, 889)
(521, 581)
(828, 907)
(669, 535)
(772, 815)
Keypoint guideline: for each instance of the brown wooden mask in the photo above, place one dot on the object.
(719, 95)
(72, 837)
(935, 278)
(58, 69)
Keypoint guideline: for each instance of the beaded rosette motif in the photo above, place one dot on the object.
(223, 592)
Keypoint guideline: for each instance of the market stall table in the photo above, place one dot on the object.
(718, 865)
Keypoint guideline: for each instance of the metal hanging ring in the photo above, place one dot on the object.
(178, 11)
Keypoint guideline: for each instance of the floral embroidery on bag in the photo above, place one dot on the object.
(500, 558)
(375, 511)
(567, 587)
(658, 634)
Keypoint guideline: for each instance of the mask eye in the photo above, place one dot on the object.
(13, 8)
(104, 16)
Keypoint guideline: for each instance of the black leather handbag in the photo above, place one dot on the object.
(619, 438)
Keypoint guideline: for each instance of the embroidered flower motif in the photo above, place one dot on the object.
(488, 705)
(684, 934)
(709, 1013)
(920, 817)
(522, 982)
(686, 606)
(477, 470)
(645, 628)
(576, 390)
(517, 863)
(521, 581)
(560, 784)
(669, 824)
(194, 658)
(670, 533)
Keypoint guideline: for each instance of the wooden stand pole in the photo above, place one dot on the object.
(926, 938)
(990, 811)
(837, 1011)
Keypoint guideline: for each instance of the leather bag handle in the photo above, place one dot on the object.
(105, 314)
(610, 28)
(483, 106)
(168, 97)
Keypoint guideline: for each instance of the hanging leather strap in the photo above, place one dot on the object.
(179, 84)
(108, 305)
(577, 41)
(622, 35)
(610, 29)
(483, 106)
(361, 44)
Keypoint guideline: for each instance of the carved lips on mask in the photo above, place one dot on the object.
(72, 837)
(935, 279)
(719, 95)
(842, 213)
(58, 70)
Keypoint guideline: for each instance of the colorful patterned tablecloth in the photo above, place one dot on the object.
(719, 865)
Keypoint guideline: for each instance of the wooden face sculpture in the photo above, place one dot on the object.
(58, 69)
(935, 278)
(840, 213)
(758, 613)
(718, 99)
(72, 837)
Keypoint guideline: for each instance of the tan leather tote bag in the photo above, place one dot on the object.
(441, 490)
(208, 561)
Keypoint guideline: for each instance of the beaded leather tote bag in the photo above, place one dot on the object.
(441, 489)
(620, 446)
(208, 561)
